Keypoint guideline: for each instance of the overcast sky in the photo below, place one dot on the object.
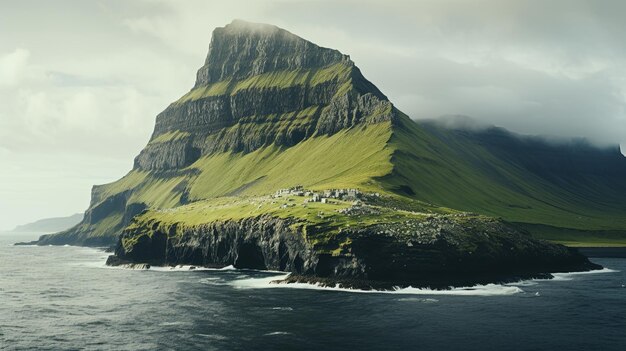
(82, 81)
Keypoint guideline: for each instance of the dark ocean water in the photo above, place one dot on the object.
(63, 298)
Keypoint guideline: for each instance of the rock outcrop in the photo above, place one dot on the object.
(262, 85)
(242, 50)
(442, 251)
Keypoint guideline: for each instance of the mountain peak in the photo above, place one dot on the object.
(260, 86)
(242, 26)
(243, 49)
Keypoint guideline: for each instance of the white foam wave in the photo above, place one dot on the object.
(597, 271)
(169, 324)
(282, 308)
(523, 283)
(477, 290)
(213, 336)
(277, 333)
(209, 279)
(179, 268)
(572, 275)
(417, 299)
(100, 263)
(569, 276)
(212, 281)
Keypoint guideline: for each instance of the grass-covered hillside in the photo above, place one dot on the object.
(271, 110)
(404, 159)
(354, 158)
(322, 223)
(522, 179)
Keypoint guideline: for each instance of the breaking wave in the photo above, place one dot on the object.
(179, 268)
(277, 333)
(476, 290)
(572, 275)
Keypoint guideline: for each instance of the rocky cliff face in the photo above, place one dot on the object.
(242, 50)
(262, 85)
(441, 251)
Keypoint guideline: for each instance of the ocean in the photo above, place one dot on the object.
(65, 298)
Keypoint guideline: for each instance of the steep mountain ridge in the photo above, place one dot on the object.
(270, 110)
(243, 49)
(262, 85)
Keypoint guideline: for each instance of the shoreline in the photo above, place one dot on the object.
(429, 281)
(603, 252)
(435, 283)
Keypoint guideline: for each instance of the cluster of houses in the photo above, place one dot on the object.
(324, 196)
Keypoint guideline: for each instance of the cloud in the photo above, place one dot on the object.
(555, 68)
(12, 67)
(75, 111)
(187, 27)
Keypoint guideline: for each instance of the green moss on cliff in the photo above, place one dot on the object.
(160, 191)
(130, 181)
(170, 136)
(271, 80)
(322, 224)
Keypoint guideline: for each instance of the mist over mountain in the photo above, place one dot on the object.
(468, 123)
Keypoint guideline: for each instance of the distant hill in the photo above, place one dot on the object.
(50, 224)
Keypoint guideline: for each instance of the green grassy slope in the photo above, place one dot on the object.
(321, 124)
(351, 158)
(274, 80)
(445, 168)
(405, 159)
(322, 223)
(577, 237)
